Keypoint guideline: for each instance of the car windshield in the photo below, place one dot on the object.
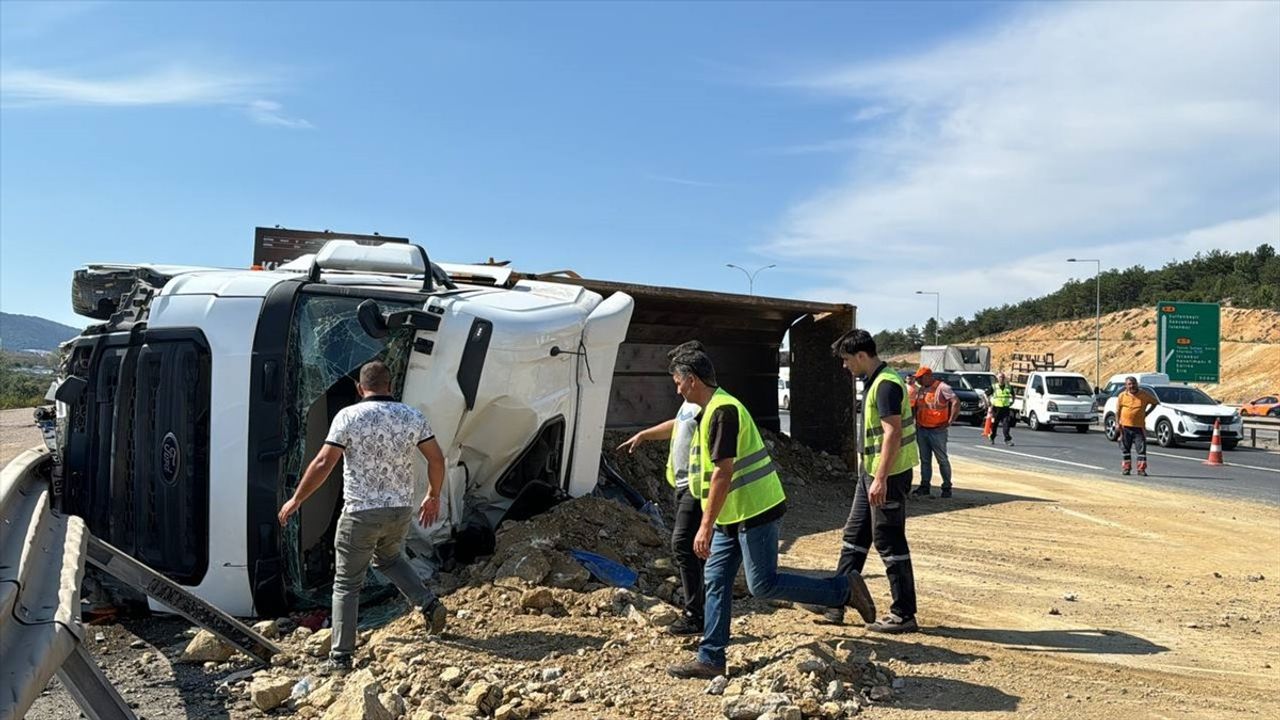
(1175, 395)
(949, 378)
(1067, 385)
(978, 382)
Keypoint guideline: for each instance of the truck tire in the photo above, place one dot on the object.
(1165, 435)
(1230, 444)
(1110, 428)
(1034, 423)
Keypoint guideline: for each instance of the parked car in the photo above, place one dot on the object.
(784, 393)
(1184, 414)
(1265, 406)
(1057, 398)
(1116, 384)
(973, 402)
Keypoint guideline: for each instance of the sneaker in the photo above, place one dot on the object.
(946, 492)
(860, 598)
(833, 615)
(686, 625)
(893, 624)
(436, 616)
(338, 664)
(1009, 443)
(1143, 473)
(993, 439)
(922, 491)
(695, 669)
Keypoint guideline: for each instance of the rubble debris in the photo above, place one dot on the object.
(269, 692)
(359, 699)
(205, 647)
(1259, 577)
(319, 643)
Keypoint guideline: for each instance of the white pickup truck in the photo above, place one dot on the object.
(186, 418)
(1057, 398)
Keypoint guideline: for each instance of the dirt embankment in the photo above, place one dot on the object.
(1250, 349)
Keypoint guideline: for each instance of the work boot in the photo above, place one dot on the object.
(922, 491)
(993, 439)
(1008, 441)
(893, 624)
(338, 664)
(946, 492)
(833, 615)
(695, 669)
(435, 616)
(1125, 468)
(860, 597)
(1142, 469)
(686, 625)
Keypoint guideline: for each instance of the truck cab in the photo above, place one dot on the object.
(1050, 399)
(189, 414)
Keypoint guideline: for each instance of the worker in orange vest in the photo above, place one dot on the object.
(934, 406)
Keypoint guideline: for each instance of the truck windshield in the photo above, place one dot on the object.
(1067, 385)
(1183, 396)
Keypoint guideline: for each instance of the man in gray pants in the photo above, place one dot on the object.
(377, 437)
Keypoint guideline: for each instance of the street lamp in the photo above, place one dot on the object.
(1097, 342)
(937, 311)
(751, 276)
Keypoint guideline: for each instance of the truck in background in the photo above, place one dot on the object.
(956, 358)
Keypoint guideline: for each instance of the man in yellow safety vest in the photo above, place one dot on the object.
(879, 512)
(742, 504)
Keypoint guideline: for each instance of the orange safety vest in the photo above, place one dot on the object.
(930, 409)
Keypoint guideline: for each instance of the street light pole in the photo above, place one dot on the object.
(1097, 318)
(751, 276)
(937, 312)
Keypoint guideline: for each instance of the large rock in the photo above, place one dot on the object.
(567, 573)
(359, 700)
(268, 692)
(323, 696)
(267, 629)
(753, 705)
(452, 676)
(320, 643)
(206, 647)
(531, 566)
(485, 697)
(537, 599)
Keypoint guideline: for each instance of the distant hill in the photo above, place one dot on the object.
(26, 332)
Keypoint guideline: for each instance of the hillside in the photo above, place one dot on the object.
(1250, 351)
(26, 332)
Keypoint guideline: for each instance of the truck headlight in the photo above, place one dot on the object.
(1235, 417)
(1052, 406)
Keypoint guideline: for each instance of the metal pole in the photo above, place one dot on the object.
(751, 276)
(1097, 346)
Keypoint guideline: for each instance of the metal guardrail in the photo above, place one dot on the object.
(1266, 424)
(42, 563)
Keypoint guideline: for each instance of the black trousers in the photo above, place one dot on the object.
(1129, 437)
(1004, 421)
(689, 565)
(886, 528)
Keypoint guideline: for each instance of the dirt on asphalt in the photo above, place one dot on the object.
(1041, 596)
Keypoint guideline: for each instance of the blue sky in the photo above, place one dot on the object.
(868, 150)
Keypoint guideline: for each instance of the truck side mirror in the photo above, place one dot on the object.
(371, 319)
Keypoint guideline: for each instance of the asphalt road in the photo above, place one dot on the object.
(1249, 474)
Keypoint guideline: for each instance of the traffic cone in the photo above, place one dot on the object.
(1215, 446)
(987, 427)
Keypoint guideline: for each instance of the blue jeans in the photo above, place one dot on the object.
(758, 549)
(933, 443)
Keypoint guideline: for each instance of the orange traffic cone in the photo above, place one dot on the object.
(988, 428)
(1215, 447)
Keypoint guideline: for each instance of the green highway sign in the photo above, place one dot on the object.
(1187, 336)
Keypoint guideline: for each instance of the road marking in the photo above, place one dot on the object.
(1038, 457)
(1230, 464)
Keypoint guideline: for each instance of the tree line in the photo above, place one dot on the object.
(1242, 280)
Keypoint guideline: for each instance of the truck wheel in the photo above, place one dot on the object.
(786, 402)
(1082, 429)
(1034, 422)
(1164, 434)
(1230, 444)
(1109, 427)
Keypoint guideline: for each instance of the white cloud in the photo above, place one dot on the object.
(1066, 127)
(267, 112)
(175, 85)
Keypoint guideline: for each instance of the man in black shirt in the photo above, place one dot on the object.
(879, 512)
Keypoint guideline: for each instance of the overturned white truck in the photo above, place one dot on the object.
(186, 418)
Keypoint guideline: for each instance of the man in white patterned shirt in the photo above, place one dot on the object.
(377, 438)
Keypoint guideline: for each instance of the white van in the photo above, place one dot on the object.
(1058, 398)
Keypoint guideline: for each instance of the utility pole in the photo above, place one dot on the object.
(751, 276)
(937, 312)
(1097, 318)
